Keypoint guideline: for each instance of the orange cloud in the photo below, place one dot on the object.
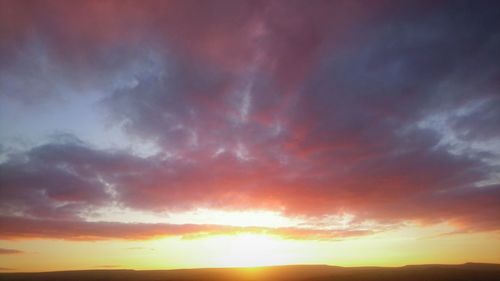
(24, 228)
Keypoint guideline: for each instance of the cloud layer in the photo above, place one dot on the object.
(23, 228)
(383, 110)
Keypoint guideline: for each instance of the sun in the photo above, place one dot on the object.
(249, 250)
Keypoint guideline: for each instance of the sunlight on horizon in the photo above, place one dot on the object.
(249, 250)
(393, 248)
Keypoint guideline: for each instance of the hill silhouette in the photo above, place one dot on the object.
(432, 272)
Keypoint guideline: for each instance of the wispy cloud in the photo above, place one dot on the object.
(23, 228)
(10, 251)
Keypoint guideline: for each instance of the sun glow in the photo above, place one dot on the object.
(246, 250)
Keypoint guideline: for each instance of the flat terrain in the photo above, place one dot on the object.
(466, 272)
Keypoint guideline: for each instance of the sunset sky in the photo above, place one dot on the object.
(183, 134)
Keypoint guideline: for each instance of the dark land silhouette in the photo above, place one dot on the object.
(465, 272)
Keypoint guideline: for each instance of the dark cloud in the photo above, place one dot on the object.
(384, 110)
(58, 180)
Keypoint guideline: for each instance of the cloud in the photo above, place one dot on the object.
(404, 181)
(23, 228)
(10, 252)
(380, 110)
(56, 180)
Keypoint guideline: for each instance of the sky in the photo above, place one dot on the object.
(181, 134)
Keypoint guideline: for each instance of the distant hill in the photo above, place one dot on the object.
(432, 272)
